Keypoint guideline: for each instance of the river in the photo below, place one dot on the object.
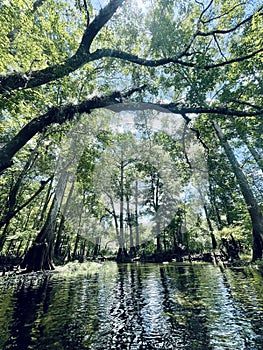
(134, 306)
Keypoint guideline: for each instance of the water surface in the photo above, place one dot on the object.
(136, 306)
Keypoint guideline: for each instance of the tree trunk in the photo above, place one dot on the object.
(254, 153)
(40, 254)
(62, 222)
(215, 207)
(122, 206)
(213, 239)
(10, 209)
(130, 227)
(47, 200)
(244, 137)
(137, 237)
(97, 247)
(115, 217)
(155, 184)
(74, 255)
(3, 237)
(158, 238)
(251, 202)
(122, 255)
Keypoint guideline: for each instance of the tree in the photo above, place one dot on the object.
(252, 205)
(115, 183)
(62, 60)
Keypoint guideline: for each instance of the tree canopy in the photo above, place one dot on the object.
(63, 62)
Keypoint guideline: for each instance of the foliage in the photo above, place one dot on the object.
(195, 63)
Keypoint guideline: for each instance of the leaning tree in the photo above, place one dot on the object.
(61, 59)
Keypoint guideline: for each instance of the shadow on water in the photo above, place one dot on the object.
(134, 306)
(50, 313)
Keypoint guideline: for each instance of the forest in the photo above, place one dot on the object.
(130, 130)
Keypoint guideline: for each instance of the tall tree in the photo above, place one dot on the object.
(251, 202)
(62, 59)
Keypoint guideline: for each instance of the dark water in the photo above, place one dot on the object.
(134, 307)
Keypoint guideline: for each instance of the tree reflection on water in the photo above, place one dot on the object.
(134, 306)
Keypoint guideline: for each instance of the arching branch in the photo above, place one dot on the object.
(114, 102)
(104, 53)
(57, 115)
(27, 80)
(15, 81)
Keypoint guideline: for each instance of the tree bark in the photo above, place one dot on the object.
(251, 202)
(122, 255)
(40, 254)
(97, 247)
(115, 217)
(216, 212)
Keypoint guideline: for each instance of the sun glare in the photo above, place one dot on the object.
(141, 4)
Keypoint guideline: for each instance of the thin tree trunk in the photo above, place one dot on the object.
(155, 182)
(255, 154)
(213, 239)
(122, 206)
(97, 247)
(3, 236)
(137, 236)
(122, 255)
(115, 217)
(215, 207)
(74, 255)
(130, 224)
(11, 209)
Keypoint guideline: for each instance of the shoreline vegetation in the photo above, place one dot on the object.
(10, 265)
(131, 129)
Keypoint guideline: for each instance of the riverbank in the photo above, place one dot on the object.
(11, 265)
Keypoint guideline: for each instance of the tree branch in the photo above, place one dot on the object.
(245, 103)
(114, 102)
(96, 25)
(27, 80)
(227, 31)
(83, 56)
(125, 56)
(180, 109)
(37, 4)
(57, 115)
(103, 53)
(205, 9)
(233, 60)
(12, 213)
(219, 48)
(223, 14)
